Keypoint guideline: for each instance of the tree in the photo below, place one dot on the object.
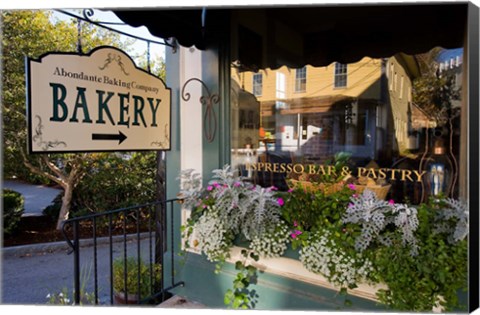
(33, 33)
(157, 65)
(434, 92)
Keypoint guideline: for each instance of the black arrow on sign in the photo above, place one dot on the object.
(105, 136)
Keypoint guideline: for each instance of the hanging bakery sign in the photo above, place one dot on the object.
(95, 102)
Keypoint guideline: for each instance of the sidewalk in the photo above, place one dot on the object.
(37, 197)
(31, 272)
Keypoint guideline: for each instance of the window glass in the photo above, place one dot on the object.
(340, 75)
(409, 145)
(301, 79)
(257, 84)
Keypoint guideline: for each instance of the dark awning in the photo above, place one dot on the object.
(321, 34)
(185, 25)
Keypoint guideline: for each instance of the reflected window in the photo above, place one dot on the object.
(340, 75)
(301, 79)
(257, 84)
(280, 85)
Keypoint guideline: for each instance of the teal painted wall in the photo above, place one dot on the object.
(275, 293)
(172, 62)
(216, 76)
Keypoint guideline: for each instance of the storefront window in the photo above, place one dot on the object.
(394, 131)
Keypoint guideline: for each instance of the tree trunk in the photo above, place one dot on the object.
(66, 202)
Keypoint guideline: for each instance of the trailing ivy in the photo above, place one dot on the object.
(241, 296)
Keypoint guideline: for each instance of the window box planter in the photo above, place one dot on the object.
(409, 258)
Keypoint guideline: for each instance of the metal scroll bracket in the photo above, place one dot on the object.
(209, 117)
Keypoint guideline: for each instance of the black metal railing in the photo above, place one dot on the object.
(123, 249)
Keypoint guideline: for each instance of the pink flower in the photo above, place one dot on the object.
(297, 232)
(391, 202)
(237, 184)
(350, 205)
(280, 202)
(204, 206)
(295, 223)
(273, 188)
(290, 190)
(293, 235)
(351, 186)
(209, 188)
(355, 196)
(216, 185)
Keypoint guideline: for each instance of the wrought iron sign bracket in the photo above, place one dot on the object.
(209, 117)
(87, 15)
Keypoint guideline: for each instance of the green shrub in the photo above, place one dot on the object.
(116, 181)
(138, 276)
(53, 210)
(12, 210)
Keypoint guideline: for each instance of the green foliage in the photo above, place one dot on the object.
(241, 296)
(339, 161)
(12, 210)
(313, 209)
(111, 181)
(25, 33)
(115, 181)
(439, 269)
(141, 278)
(52, 211)
(157, 66)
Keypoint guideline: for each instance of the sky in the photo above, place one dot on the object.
(139, 46)
(450, 53)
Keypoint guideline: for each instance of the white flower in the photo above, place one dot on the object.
(272, 243)
(210, 233)
(323, 256)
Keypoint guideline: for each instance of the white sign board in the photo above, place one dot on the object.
(95, 102)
